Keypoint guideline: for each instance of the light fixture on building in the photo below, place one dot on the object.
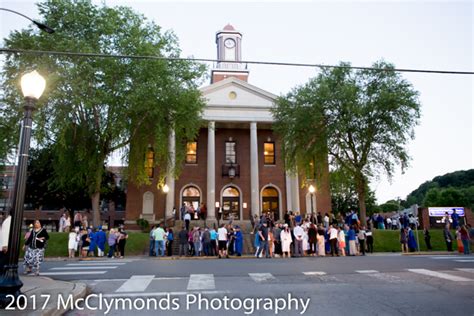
(311, 190)
(244, 205)
(166, 189)
(217, 204)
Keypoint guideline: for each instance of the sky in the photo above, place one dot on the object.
(435, 35)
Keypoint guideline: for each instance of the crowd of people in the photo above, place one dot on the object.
(222, 242)
(463, 234)
(295, 236)
(90, 242)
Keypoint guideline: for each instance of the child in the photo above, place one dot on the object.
(72, 242)
(112, 241)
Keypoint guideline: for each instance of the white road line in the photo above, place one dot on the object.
(262, 277)
(448, 257)
(143, 294)
(83, 268)
(314, 273)
(385, 277)
(201, 282)
(466, 260)
(72, 272)
(95, 264)
(136, 283)
(440, 275)
(465, 270)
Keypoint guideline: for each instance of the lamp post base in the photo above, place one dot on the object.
(10, 285)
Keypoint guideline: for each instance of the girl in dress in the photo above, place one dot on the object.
(72, 243)
(286, 240)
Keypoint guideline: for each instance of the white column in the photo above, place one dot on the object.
(170, 174)
(254, 186)
(289, 194)
(211, 172)
(295, 190)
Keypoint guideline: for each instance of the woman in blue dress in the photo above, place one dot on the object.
(239, 241)
(411, 240)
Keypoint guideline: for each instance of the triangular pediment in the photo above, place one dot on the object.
(234, 100)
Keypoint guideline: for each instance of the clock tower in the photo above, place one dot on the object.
(229, 55)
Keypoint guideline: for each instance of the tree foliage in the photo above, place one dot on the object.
(95, 106)
(462, 179)
(362, 118)
(449, 197)
(344, 195)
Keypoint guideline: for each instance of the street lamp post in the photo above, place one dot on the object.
(165, 190)
(312, 189)
(32, 86)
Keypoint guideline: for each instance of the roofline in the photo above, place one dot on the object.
(237, 81)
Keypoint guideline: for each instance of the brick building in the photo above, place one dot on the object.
(235, 164)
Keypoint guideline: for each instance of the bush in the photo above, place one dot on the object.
(143, 223)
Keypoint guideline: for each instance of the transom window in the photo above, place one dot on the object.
(230, 153)
(269, 153)
(191, 152)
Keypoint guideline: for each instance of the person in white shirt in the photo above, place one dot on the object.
(62, 223)
(298, 231)
(222, 241)
(4, 236)
(333, 240)
(326, 221)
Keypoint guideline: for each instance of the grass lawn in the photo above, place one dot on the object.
(389, 240)
(137, 242)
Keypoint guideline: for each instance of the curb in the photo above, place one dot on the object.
(79, 291)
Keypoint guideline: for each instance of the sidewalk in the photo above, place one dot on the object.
(34, 287)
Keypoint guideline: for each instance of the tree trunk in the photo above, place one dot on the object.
(360, 187)
(95, 199)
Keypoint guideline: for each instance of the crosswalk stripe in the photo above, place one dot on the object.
(145, 294)
(466, 260)
(465, 270)
(95, 264)
(83, 268)
(366, 271)
(262, 277)
(446, 257)
(136, 283)
(201, 282)
(440, 275)
(72, 272)
(314, 273)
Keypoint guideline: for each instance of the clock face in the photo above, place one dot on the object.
(229, 43)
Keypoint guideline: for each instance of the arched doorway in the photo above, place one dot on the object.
(231, 203)
(271, 202)
(191, 195)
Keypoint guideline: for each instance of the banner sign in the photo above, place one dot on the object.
(441, 211)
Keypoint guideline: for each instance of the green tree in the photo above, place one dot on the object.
(389, 207)
(432, 197)
(462, 179)
(344, 195)
(94, 106)
(362, 118)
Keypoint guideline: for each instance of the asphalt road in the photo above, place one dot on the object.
(370, 285)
